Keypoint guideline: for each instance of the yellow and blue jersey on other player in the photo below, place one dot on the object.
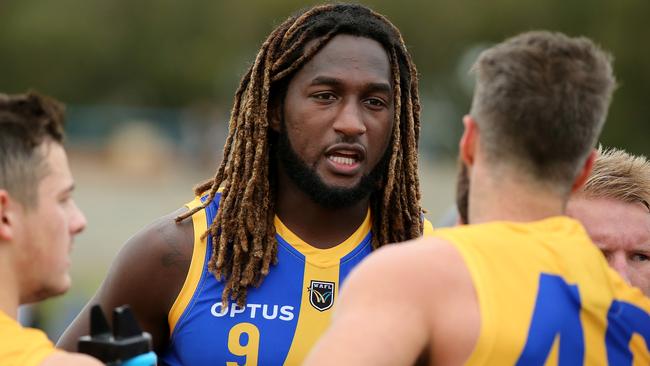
(282, 318)
(547, 297)
(21, 346)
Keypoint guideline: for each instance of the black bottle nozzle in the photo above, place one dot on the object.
(98, 325)
(125, 341)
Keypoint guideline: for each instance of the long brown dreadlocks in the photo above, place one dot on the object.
(243, 232)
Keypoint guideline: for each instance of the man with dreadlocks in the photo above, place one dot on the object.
(320, 167)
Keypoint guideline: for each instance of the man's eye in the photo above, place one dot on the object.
(324, 96)
(375, 102)
(640, 257)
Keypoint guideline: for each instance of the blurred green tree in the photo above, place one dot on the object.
(172, 53)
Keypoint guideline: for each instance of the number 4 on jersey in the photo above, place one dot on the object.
(557, 314)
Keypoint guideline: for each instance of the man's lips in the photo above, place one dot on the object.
(344, 158)
(355, 152)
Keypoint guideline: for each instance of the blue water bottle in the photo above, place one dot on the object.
(125, 345)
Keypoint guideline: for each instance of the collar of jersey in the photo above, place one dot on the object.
(324, 257)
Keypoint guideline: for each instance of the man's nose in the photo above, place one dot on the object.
(78, 222)
(349, 121)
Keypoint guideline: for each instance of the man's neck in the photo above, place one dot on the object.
(508, 197)
(8, 291)
(319, 226)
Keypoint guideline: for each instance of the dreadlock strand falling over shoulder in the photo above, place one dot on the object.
(243, 249)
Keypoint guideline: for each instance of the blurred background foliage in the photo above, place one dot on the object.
(149, 86)
(175, 54)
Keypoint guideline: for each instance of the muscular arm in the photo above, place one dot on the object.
(147, 274)
(401, 301)
(380, 317)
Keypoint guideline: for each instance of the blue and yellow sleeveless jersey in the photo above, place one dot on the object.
(282, 318)
(547, 297)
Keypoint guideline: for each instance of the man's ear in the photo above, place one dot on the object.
(583, 175)
(467, 144)
(6, 216)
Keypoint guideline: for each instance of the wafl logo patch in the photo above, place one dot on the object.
(321, 295)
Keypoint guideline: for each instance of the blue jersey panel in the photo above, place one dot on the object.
(272, 328)
(354, 257)
(267, 322)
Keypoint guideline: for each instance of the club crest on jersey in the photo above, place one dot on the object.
(321, 295)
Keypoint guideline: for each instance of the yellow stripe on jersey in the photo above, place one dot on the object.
(312, 323)
(321, 265)
(196, 266)
(552, 359)
(324, 257)
(428, 228)
(638, 348)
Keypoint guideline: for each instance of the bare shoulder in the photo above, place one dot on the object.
(418, 270)
(147, 274)
(420, 294)
(154, 262)
(70, 359)
(164, 245)
(420, 261)
(389, 295)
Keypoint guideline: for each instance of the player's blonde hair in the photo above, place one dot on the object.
(619, 175)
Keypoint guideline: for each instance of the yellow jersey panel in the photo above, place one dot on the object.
(21, 346)
(548, 297)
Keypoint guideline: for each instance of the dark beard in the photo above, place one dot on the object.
(311, 184)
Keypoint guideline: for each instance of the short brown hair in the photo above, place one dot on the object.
(26, 122)
(540, 103)
(619, 175)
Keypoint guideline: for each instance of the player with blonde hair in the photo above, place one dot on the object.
(613, 207)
